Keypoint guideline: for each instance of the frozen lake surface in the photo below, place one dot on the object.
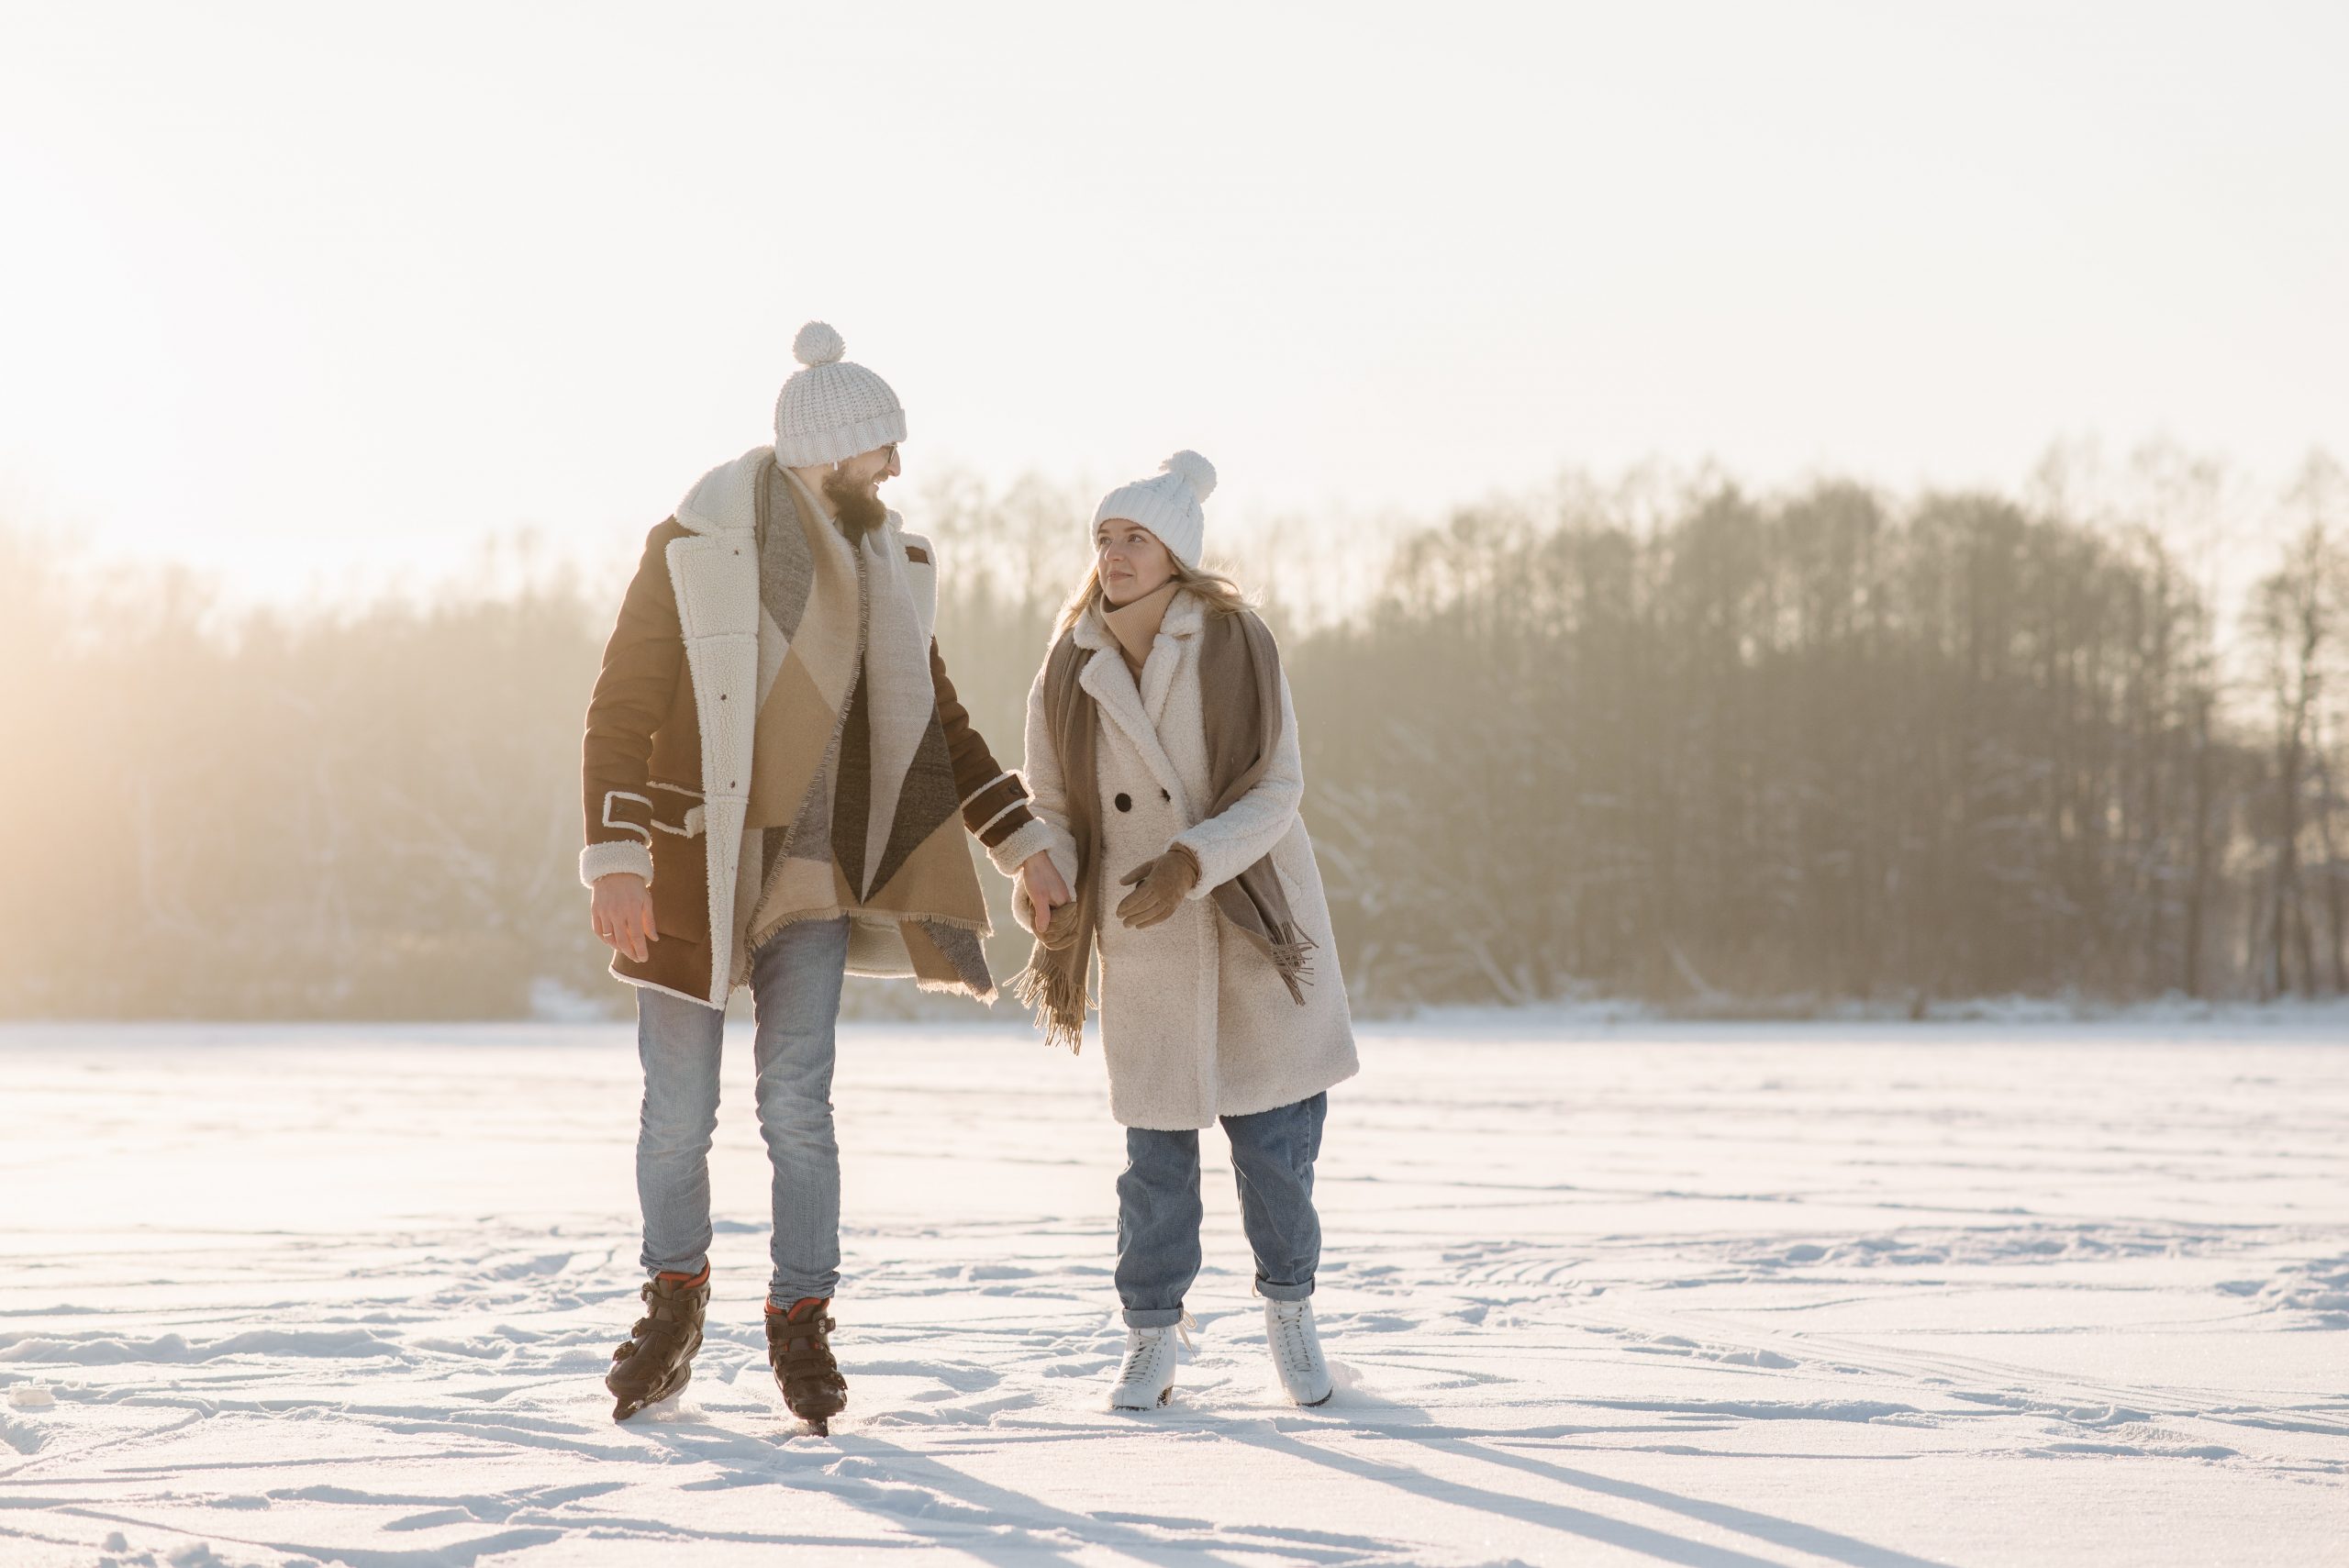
(1868, 1295)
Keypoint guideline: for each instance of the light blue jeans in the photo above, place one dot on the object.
(796, 986)
(1157, 1209)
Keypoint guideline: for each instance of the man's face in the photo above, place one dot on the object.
(854, 487)
(867, 471)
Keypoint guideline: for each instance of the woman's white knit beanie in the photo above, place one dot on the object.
(1167, 504)
(833, 410)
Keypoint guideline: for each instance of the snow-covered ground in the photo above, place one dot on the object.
(1859, 1295)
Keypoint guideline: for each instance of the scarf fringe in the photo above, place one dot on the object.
(1056, 997)
(1288, 953)
(981, 926)
(956, 988)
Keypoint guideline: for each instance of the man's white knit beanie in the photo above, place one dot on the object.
(833, 410)
(1167, 504)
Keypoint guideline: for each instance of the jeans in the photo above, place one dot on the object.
(795, 985)
(1157, 1209)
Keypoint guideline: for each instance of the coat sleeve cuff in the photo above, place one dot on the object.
(1209, 881)
(1012, 853)
(622, 855)
(1200, 887)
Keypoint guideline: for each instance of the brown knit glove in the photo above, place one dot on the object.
(1060, 934)
(1165, 883)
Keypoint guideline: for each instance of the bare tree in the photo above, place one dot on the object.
(1664, 739)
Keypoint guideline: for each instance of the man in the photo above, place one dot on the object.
(775, 765)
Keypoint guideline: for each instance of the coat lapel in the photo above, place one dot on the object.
(1176, 632)
(1111, 686)
(715, 572)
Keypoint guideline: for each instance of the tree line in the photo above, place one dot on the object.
(1689, 744)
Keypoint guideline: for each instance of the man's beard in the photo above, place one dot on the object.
(856, 507)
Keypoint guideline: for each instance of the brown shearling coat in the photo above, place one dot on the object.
(642, 763)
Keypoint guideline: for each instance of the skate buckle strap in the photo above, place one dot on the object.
(816, 1326)
(668, 1314)
(795, 1343)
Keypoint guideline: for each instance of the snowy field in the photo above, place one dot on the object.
(1869, 1295)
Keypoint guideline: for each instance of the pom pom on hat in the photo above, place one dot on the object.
(834, 408)
(819, 344)
(1192, 469)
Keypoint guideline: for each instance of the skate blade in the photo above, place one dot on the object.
(1317, 1404)
(625, 1407)
(628, 1408)
(1165, 1397)
(821, 1425)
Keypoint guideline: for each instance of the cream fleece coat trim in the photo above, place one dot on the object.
(620, 855)
(1193, 1024)
(1035, 838)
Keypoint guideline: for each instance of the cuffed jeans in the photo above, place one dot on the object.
(1158, 1209)
(796, 986)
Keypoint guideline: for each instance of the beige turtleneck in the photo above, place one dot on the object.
(1135, 625)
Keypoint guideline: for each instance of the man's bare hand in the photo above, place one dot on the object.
(1046, 891)
(621, 913)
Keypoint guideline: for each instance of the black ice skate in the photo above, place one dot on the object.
(658, 1358)
(799, 1349)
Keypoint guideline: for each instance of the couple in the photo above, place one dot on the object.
(778, 778)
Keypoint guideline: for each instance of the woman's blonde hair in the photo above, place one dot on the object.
(1219, 592)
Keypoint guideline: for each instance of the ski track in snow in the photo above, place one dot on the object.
(1785, 1295)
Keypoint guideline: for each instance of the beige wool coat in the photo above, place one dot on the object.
(1194, 1021)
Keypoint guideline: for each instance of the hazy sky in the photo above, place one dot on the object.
(318, 295)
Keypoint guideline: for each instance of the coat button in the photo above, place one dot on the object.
(1125, 802)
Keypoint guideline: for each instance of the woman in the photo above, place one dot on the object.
(1163, 755)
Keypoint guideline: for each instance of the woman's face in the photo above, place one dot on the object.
(1131, 562)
